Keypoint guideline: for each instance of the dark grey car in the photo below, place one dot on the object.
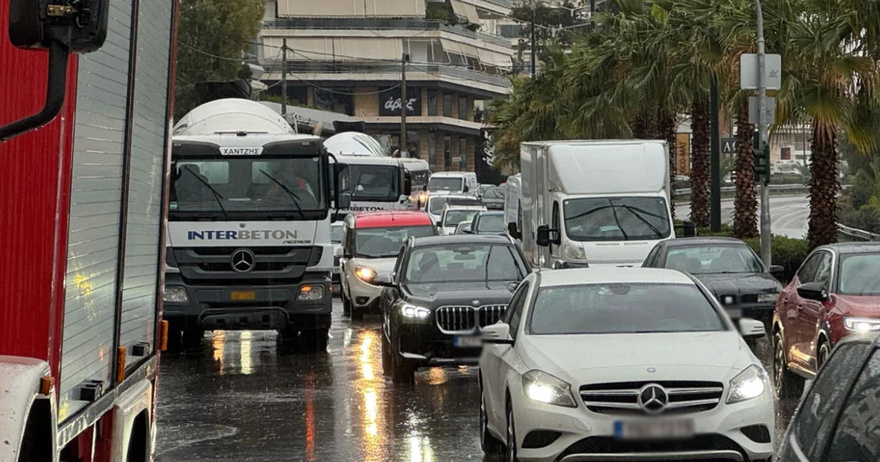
(729, 268)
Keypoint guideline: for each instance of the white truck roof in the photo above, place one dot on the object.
(232, 115)
(354, 144)
(453, 174)
(596, 167)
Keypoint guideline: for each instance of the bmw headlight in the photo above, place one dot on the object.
(748, 384)
(365, 274)
(768, 298)
(861, 325)
(412, 311)
(544, 388)
(574, 252)
(176, 295)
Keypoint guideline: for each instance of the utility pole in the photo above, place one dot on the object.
(592, 12)
(766, 255)
(403, 100)
(714, 160)
(533, 38)
(284, 79)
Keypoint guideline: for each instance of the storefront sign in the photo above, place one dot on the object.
(389, 102)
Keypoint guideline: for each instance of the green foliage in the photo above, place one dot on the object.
(866, 218)
(440, 12)
(553, 25)
(213, 37)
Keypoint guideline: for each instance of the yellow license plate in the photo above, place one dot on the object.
(242, 295)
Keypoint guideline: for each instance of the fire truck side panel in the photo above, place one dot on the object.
(149, 134)
(34, 186)
(88, 350)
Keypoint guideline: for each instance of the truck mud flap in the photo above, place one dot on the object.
(258, 318)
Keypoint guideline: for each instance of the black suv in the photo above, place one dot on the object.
(442, 291)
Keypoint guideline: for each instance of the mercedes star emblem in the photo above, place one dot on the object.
(243, 260)
(653, 398)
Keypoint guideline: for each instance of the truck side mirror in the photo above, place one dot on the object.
(513, 232)
(72, 27)
(343, 201)
(690, 229)
(407, 185)
(543, 237)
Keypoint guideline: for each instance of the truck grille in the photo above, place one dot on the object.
(271, 264)
(623, 398)
(465, 319)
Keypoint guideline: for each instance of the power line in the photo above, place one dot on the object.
(225, 58)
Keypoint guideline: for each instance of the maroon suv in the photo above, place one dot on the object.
(835, 293)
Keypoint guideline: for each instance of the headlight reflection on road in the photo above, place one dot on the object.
(247, 341)
(374, 449)
(245, 360)
(218, 344)
(420, 449)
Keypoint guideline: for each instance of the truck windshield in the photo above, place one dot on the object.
(616, 218)
(386, 242)
(445, 184)
(247, 184)
(375, 183)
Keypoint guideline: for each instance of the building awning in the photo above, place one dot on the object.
(458, 48)
(351, 8)
(493, 58)
(336, 48)
(466, 10)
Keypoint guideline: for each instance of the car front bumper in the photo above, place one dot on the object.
(424, 344)
(588, 436)
(363, 296)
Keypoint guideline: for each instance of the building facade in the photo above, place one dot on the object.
(347, 56)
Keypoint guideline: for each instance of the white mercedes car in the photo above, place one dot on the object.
(624, 365)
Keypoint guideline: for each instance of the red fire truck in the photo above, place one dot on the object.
(86, 91)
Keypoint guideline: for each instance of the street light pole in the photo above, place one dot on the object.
(766, 254)
(534, 8)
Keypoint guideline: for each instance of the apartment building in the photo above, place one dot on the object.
(346, 56)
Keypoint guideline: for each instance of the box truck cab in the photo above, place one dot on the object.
(594, 203)
(374, 183)
(453, 183)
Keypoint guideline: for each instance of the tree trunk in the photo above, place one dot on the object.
(823, 188)
(666, 131)
(641, 127)
(745, 215)
(700, 174)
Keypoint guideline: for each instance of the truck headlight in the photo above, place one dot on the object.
(767, 298)
(412, 311)
(311, 293)
(748, 384)
(175, 295)
(544, 388)
(861, 325)
(365, 274)
(574, 252)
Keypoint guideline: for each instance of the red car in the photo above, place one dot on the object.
(835, 293)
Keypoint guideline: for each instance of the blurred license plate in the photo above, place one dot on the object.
(242, 295)
(467, 342)
(649, 430)
(734, 313)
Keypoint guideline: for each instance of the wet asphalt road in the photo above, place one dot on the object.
(237, 399)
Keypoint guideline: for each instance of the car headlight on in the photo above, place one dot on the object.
(176, 295)
(365, 274)
(574, 252)
(311, 293)
(861, 325)
(544, 388)
(412, 311)
(768, 298)
(748, 384)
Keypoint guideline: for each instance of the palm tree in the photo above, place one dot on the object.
(830, 81)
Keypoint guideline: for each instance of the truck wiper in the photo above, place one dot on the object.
(217, 196)
(617, 219)
(293, 196)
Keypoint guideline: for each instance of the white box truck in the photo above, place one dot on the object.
(594, 203)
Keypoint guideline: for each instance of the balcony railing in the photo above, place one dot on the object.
(382, 24)
(345, 67)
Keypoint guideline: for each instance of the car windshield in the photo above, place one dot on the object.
(377, 183)
(386, 242)
(494, 192)
(247, 184)
(456, 216)
(445, 184)
(624, 308)
(336, 234)
(490, 223)
(464, 263)
(714, 259)
(860, 274)
(435, 204)
(616, 219)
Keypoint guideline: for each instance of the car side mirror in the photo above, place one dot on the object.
(497, 334)
(777, 271)
(383, 280)
(813, 291)
(751, 328)
(71, 27)
(559, 264)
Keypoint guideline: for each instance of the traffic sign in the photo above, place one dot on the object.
(748, 71)
(754, 109)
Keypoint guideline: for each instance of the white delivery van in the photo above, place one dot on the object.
(453, 183)
(594, 203)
